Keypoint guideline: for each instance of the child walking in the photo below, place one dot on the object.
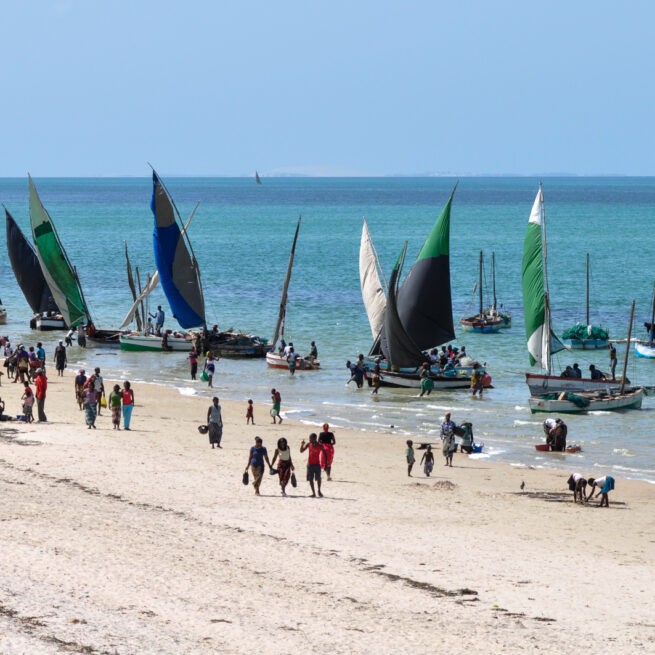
(250, 413)
(409, 455)
(28, 403)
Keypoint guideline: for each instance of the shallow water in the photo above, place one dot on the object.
(242, 234)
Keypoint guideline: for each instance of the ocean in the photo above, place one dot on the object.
(242, 234)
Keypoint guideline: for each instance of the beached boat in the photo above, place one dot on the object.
(151, 342)
(278, 360)
(485, 321)
(60, 275)
(542, 343)
(585, 336)
(585, 401)
(30, 279)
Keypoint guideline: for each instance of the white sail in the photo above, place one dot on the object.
(373, 294)
(154, 281)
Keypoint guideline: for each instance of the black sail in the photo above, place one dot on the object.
(27, 270)
(396, 345)
(424, 301)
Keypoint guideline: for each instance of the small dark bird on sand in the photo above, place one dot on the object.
(522, 485)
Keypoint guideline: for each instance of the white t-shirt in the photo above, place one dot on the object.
(287, 350)
(600, 482)
(577, 477)
(550, 423)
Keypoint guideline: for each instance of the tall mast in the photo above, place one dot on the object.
(480, 283)
(493, 276)
(587, 288)
(652, 319)
(546, 294)
(627, 347)
(283, 300)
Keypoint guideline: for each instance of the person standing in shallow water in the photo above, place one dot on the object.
(276, 399)
(210, 369)
(215, 423)
(256, 458)
(193, 362)
(128, 404)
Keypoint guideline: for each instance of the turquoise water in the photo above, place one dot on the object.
(242, 234)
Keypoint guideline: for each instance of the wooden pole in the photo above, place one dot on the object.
(143, 314)
(627, 348)
(652, 320)
(480, 281)
(587, 288)
(493, 275)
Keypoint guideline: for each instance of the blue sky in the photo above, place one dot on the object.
(332, 88)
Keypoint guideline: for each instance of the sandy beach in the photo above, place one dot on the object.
(148, 542)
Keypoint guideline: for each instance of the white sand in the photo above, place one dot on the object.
(147, 542)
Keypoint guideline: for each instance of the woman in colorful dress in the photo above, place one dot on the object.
(284, 464)
(327, 439)
(128, 404)
(115, 398)
(90, 404)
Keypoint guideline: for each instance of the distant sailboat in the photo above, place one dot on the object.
(485, 321)
(586, 336)
(257, 178)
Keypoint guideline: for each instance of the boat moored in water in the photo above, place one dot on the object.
(584, 401)
(136, 341)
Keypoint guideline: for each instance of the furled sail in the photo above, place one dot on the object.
(285, 287)
(177, 267)
(424, 302)
(27, 269)
(373, 294)
(152, 283)
(396, 344)
(56, 268)
(540, 340)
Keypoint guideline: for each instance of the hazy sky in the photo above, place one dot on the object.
(336, 88)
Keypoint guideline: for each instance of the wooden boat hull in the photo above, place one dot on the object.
(482, 324)
(586, 344)
(402, 380)
(612, 402)
(540, 384)
(230, 344)
(302, 364)
(645, 350)
(105, 339)
(45, 323)
(141, 342)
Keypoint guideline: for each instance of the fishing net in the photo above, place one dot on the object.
(583, 331)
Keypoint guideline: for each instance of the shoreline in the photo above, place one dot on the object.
(147, 541)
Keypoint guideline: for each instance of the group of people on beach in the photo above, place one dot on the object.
(91, 397)
(602, 486)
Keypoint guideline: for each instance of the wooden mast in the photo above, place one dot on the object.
(493, 276)
(587, 288)
(627, 348)
(480, 281)
(652, 319)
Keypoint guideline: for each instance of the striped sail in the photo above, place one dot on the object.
(373, 295)
(177, 267)
(56, 268)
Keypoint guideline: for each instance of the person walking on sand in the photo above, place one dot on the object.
(276, 399)
(128, 404)
(193, 361)
(210, 369)
(250, 413)
(41, 386)
(115, 398)
(99, 388)
(215, 423)
(578, 485)
(603, 486)
(256, 458)
(448, 439)
(80, 380)
(409, 456)
(313, 462)
(326, 438)
(428, 458)
(28, 403)
(282, 455)
(60, 359)
(90, 404)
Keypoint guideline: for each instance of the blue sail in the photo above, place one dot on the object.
(178, 270)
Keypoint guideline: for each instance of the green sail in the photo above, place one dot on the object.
(55, 266)
(537, 326)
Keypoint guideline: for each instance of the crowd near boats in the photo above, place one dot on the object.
(410, 318)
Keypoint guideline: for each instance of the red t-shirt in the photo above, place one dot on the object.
(41, 386)
(314, 454)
